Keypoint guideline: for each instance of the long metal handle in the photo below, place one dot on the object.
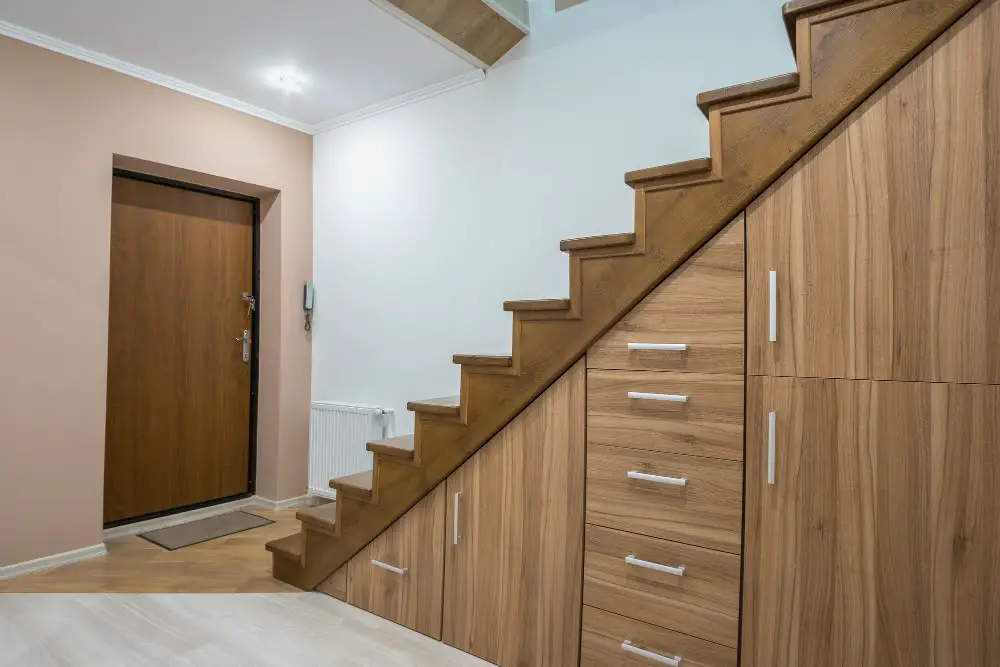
(391, 568)
(643, 396)
(772, 300)
(771, 424)
(670, 347)
(646, 477)
(454, 528)
(650, 565)
(649, 655)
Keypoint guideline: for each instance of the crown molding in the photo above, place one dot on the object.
(433, 90)
(108, 62)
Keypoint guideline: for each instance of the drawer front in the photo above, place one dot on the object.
(700, 306)
(706, 511)
(698, 596)
(628, 409)
(604, 633)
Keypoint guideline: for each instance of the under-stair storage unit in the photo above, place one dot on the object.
(514, 553)
(872, 536)
(665, 471)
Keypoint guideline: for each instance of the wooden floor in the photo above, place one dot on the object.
(234, 564)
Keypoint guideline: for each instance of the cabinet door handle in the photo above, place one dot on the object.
(391, 568)
(646, 477)
(454, 519)
(649, 655)
(772, 418)
(669, 347)
(772, 301)
(650, 565)
(643, 396)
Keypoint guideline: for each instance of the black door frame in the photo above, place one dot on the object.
(254, 343)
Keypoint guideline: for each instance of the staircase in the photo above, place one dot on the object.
(844, 50)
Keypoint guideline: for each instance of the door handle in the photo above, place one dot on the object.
(772, 306)
(456, 538)
(771, 427)
(649, 655)
(245, 339)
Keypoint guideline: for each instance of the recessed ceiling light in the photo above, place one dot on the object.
(287, 79)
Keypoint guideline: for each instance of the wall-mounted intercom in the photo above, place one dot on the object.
(308, 299)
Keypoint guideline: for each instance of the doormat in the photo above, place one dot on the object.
(203, 530)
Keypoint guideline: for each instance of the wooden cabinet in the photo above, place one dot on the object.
(514, 552)
(878, 542)
(884, 240)
(399, 575)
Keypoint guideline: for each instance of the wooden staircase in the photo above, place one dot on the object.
(844, 50)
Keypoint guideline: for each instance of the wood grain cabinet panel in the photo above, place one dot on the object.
(701, 600)
(707, 511)
(885, 238)
(604, 633)
(415, 543)
(878, 542)
(514, 555)
(708, 423)
(701, 305)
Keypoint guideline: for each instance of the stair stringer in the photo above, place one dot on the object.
(845, 49)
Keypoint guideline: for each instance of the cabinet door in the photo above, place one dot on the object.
(514, 554)
(885, 238)
(877, 544)
(398, 576)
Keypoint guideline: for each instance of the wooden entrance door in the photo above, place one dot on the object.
(178, 401)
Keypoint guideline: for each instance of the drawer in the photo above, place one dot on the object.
(702, 599)
(604, 633)
(706, 511)
(709, 422)
(700, 306)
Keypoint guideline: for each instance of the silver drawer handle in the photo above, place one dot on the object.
(670, 347)
(646, 477)
(643, 396)
(650, 565)
(655, 657)
(455, 536)
(391, 568)
(772, 307)
(771, 427)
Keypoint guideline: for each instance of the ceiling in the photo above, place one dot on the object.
(354, 54)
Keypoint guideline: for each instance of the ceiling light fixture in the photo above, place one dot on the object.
(286, 79)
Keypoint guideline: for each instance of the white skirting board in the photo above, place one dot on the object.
(49, 562)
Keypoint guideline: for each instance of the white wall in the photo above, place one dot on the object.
(428, 217)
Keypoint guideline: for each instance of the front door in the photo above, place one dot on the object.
(178, 396)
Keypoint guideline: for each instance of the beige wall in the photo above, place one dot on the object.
(61, 123)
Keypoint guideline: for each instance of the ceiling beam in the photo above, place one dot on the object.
(472, 29)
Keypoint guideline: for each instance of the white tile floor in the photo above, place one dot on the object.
(281, 629)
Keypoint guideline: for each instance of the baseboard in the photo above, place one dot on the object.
(49, 562)
(288, 503)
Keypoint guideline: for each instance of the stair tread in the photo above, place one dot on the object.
(400, 446)
(325, 513)
(592, 242)
(290, 546)
(446, 405)
(701, 165)
(359, 480)
(775, 84)
(537, 305)
(483, 360)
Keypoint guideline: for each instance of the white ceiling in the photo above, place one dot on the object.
(354, 53)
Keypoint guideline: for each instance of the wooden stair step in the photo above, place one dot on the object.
(358, 485)
(701, 166)
(537, 305)
(792, 10)
(447, 406)
(319, 517)
(491, 360)
(745, 92)
(597, 242)
(290, 547)
(400, 447)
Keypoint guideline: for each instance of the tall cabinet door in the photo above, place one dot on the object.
(871, 530)
(514, 553)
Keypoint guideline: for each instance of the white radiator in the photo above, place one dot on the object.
(338, 434)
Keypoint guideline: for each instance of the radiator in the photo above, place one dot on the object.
(338, 433)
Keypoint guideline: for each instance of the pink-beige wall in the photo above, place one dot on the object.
(62, 122)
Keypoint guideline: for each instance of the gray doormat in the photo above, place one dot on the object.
(203, 530)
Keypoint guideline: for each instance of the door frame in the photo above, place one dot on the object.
(254, 342)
